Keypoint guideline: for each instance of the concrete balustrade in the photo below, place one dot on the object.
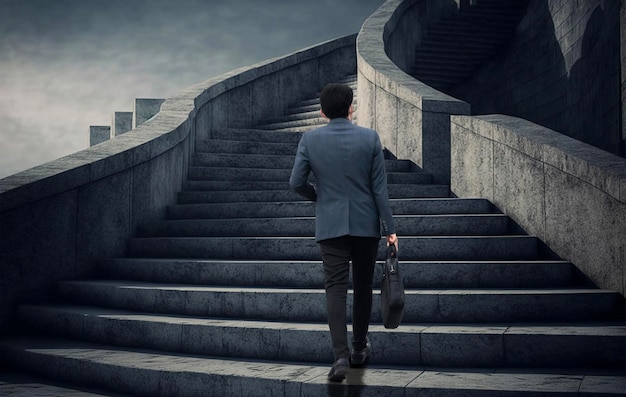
(412, 119)
(99, 134)
(121, 122)
(145, 109)
(569, 194)
(58, 219)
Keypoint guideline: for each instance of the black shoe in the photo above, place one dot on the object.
(359, 356)
(339, 370)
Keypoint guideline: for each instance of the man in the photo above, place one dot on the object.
(351, 204)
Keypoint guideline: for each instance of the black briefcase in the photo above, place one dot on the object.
(391, 290)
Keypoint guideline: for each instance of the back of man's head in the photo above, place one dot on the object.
(335, 100)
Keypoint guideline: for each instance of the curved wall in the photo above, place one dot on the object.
(562, 71)
(58, 219)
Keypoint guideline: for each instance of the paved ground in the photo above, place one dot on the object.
(20, 385)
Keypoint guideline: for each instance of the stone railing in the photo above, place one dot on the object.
(412, 119)
(58, 219)
(569, 194)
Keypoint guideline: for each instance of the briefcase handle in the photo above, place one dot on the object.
(391, 251)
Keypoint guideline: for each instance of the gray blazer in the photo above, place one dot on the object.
(350, 181)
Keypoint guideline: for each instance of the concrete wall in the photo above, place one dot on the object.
(412, 119)
(58, 219)
(569, 194)
(562, 71)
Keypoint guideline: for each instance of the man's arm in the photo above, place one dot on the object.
(381, 195)
(299, 179)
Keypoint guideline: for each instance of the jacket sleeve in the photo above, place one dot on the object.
(299, 179)
(379, 189)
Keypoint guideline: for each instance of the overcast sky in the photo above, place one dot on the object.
(69, 64)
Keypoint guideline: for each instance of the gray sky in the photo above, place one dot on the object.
(69, 64)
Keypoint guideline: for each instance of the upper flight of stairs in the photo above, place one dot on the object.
(454, 48)
(225, 297)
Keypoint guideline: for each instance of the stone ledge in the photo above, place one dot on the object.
(569, 194)
(594, 166)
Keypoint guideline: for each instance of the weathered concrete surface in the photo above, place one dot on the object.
(99, 134)
(145, 109)
(121, 122)
(14, 384)
(569, 194)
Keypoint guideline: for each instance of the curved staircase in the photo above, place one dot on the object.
(454, 48)
(225, 297)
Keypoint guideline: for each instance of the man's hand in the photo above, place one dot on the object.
(392, 239)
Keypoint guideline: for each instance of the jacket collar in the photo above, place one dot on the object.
(340, 120)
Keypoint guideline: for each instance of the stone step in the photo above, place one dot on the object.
(232, 186)
(444, 60)
(309, 274)
(413, 225)
(478, 23)
(411, 206)
(309, 305)
(461, 33)
(293, 115)
(440, 77)
(22, 384)
(154, 373)
(288, 128)
(449, 67)
(451, 43)
(312, 101)
(468, 248)
(235, 174)
(462, 345)
(433, 55)
(463, 26)
(195, 197)
(290, 125)
(246, 147)
(254, 135)
(508, 16)
(307, 109)
(305, 106)
(459, 51)
(273, 161)
(395, 191)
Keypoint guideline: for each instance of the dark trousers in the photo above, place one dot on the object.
(336, 255)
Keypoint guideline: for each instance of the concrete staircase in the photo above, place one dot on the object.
(452, 50)
(225, 297)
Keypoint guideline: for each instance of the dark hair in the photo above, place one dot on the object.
(335, 100)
